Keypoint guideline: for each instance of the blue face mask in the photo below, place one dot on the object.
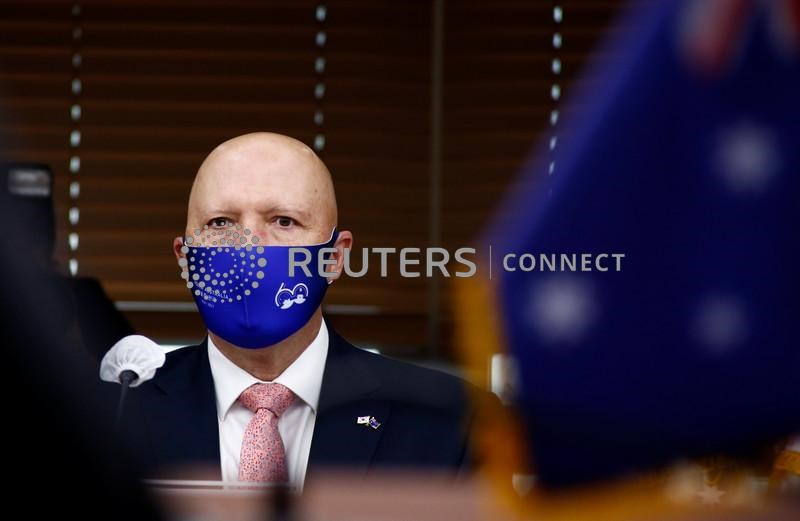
(246, 295)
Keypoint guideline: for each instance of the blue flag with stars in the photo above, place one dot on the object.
(684, 161)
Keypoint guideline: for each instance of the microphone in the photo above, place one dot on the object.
(131, 362)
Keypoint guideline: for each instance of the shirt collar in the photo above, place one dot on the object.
(303, 377)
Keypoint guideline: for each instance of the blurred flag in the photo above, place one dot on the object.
(683, 155)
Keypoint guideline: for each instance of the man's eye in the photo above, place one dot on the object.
(218, 222)
(284, 222)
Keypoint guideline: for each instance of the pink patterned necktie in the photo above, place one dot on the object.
(263, 456)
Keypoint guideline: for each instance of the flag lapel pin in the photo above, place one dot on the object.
(369, 421)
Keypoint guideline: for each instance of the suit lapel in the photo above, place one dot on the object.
(346, 394)
(182, 415)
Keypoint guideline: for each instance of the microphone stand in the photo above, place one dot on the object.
(126, 378)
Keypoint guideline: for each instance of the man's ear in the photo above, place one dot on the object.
(177, 244)
(178, 249)
(343, 242)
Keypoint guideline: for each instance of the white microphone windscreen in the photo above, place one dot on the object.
(136, 353)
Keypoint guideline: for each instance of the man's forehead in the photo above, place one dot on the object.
(262, 197)
(259, 168)
(286, 195)
(263, 149)
(233, 207)
(263, 161)
(270, 175)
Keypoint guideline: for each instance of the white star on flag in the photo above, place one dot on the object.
(747, 158)
(720, 323)
(561, 309)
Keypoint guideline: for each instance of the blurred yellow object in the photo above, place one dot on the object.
(787, 463)
(500, 452)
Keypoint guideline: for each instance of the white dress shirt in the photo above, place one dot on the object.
(296, 425)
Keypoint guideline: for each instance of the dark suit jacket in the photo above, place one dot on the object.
(424, 414)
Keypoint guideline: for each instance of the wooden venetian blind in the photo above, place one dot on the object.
(498, 99)
(377, 127)
(502, 60)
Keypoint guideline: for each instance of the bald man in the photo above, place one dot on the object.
(273, 392)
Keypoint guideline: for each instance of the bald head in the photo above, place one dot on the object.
(271, 184)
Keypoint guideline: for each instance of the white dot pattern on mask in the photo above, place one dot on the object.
(229, 251)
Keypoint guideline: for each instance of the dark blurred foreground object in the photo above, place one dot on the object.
(59, 440)
(684, 157)
(28, 194)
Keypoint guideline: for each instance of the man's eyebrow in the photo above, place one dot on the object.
(271, 210)
(280, 210)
